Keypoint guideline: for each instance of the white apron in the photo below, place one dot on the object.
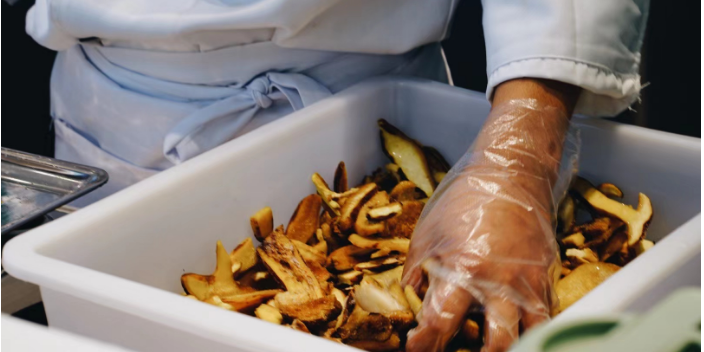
(134, 112)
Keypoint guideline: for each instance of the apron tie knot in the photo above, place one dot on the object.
(259, 89)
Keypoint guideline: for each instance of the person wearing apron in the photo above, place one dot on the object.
(141, 86)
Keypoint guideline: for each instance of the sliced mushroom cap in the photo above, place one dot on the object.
(610, 190)
(364, 326)
(350, 278)
(582, 280)
(282, 259)
(329, 197)
(637, 220)
(566, 214)
(316, 311)
(249, 300)
(340, 181)
(220, 283)
(380, 264)
(347, 257)
(353, 204)
(374, 297)
(470, 330)
(365, 225)
(407, 154)
(385, 212)
(304, 221)
(269, 313)
(613, 245)
(575, 240)
(300, 326)
(404, 224)
(244, 256)
(262, 223)
(642, 246)
(393, 244)
(387, 277)
(309, 253)
(413, 300)
(581, 256)
(405, 191)
(437, 163)
(393, 343)
(599, 230)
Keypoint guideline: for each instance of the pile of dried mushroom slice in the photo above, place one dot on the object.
(335, 270)
(596, 249)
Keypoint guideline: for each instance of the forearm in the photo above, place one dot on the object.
(524, 134)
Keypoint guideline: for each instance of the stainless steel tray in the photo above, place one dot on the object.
(33, 185)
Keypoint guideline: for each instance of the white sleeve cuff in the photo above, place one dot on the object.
(42, 29)
(605, 92)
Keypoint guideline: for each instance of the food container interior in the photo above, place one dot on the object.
(167, 225)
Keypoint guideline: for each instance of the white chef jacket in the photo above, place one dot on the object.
(140, 86)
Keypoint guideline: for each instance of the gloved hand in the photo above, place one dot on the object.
(486, 237)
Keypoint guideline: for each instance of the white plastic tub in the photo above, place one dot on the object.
(111, 271)
(22, 336)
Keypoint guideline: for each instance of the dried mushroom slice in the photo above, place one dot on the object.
(353, 204)
(220, 283)
(610, 190)
(350, 278)
(308, 253)
(393, 244)
(347, 257)
(320, 273)
(315, 312)
(374, 297)
(405, 191)
(364, 326)
(393, 343)
(269, 313)
(249, 300)
(438, 165)
(322, 245)
(613, 246)
(364, 226)
(407, 154)
(385, 212)
(413, 300)
(582, 280)
(244, 257)
(599, 230)
(575, 240)
(581, 256)
(470, 330)
(380, 253)
(642, 246)
(404, 224)
(388, 277)
(566, 214)
(637, 220)
(340, 184)
(305, 219)
(300, 326)
(282, 259)
(262, 223)
(380, 264)
(329, 197)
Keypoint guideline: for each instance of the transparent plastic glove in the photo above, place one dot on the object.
(486, 237)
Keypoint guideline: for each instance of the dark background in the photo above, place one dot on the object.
(671, 61)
